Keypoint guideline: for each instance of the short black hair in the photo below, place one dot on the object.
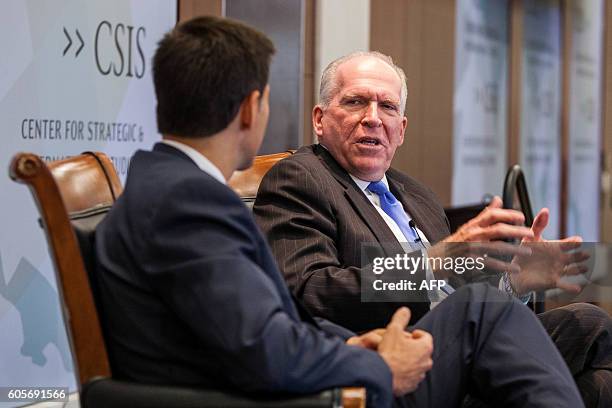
(202, 71)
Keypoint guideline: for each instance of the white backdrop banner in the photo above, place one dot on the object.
(74, 76)
(540, 135)
(585, 118)
(479, 110)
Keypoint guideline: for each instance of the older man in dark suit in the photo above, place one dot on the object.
(191, 293)
(319, 206)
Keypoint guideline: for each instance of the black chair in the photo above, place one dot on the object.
(516, 196)
(459, 215)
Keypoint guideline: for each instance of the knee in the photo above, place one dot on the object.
(594, 385)
(590, 315)
(484, 303)
(481, 292)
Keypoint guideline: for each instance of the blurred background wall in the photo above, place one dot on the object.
(490, 83)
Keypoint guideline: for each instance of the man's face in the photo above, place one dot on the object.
(362, 126)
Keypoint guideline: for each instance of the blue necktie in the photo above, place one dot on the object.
(394, 209)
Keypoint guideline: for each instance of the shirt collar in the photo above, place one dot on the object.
(198, 158)
(363, 185)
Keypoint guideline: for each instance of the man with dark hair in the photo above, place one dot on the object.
(191, 294)
(320, 206)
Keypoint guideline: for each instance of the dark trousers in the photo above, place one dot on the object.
(583, 335)
(488, 344)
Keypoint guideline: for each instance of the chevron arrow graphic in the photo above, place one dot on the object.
(82, 44)
(79, 37)
(69, 42)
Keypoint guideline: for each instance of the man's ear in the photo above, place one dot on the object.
(248, 108)
(404, 123)
(317, 117)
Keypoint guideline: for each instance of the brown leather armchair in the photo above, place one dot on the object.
(246, 182)
(73, 196)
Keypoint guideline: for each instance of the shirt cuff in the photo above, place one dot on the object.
(505, 286)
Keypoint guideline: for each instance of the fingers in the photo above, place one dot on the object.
(380, 331)
(425, 338)
(539, 223)
(575, 269)
(371, 340)
(496, 202)
(400, 319)
(567, 244)
(418, 334)
(572, 258)
(490, 216)
(576, 257)
(354, 341)
(426, 341)
(408, 355)
(496, 265)
(500, 248)
(504, 231)
(569, 287)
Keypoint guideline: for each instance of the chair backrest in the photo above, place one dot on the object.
(459, 215)
(246, 182)
(516, 196)
(515, 189)
(73, 195)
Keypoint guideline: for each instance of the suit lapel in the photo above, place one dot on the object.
(362, 205)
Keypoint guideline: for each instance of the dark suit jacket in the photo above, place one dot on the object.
(316, 218)
(192, 295)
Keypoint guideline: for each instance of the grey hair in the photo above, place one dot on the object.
(329, 85)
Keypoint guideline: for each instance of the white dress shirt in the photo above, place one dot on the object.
(435, 296)
(198, 158)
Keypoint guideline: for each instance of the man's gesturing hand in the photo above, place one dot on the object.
(493, 223)
(549, 262)
(407, 354)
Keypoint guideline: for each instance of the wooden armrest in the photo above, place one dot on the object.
(353, 397)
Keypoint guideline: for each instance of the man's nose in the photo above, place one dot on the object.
(371, 118)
